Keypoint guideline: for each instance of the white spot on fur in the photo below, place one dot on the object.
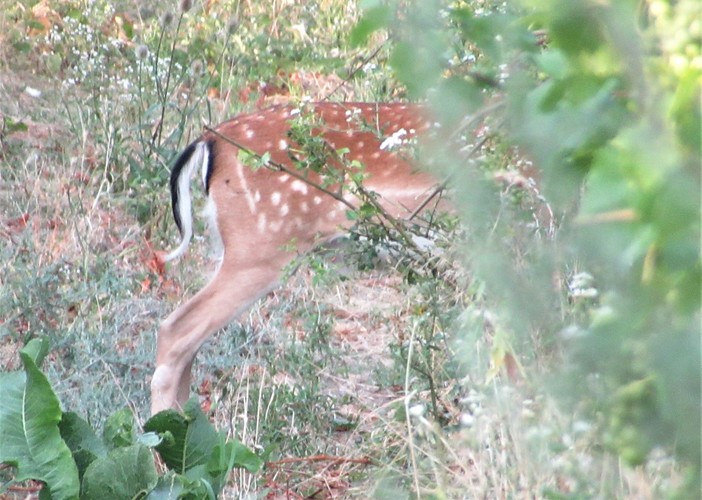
(304, 207)
(245, 187)
(317, 200)
(284, 178)
(284, 210)
(249, 133)
(261, 225)
(275, 227)
(275, 198)
(257, 196)
(299, 186)
(282, 145)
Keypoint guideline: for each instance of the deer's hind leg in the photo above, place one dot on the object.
(232, 290)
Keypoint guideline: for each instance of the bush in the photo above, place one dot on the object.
(606, 106)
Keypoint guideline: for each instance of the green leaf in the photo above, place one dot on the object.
(234, 453)
(150, 439)
(685, 110)
(10, 126)
(22, 47)
(81, 439)
(172, 485)
(194, 437)
(417, 77)
(124, 473)
(36, 25)
(191, 446)
(37, 349)
(119, 429)
(29, 432)
(367, 210)
(374, 18)
(553, 63)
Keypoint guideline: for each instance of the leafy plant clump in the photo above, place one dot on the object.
(606, 106)
(64, 452)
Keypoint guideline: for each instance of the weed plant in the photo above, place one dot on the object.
(391, 377)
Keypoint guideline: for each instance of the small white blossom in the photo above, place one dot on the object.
(394, 140)
(467, 420)
(32, 92)
(417, 410)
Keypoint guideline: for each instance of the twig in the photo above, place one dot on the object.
(355, 70)
(279, 167)
(361, 193)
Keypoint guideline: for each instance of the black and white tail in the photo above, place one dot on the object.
(195, 155)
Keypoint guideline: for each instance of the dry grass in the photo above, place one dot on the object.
(316, 376)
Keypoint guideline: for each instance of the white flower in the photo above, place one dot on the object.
(416, 410)
(32, 92)
(394, 140)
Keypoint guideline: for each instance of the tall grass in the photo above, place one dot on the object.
(351, 382)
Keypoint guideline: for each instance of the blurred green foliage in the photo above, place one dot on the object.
(604, 99)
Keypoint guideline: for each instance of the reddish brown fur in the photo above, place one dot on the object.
(261, 211)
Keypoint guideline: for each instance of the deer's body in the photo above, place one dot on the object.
(265, 217)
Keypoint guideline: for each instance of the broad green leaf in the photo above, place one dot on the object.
(194, 437)
(123, 473)
(419, 71)
(22, 47)
(191, 446)
(81, 439)
(29, 433)
(37, 349)
(685, 110)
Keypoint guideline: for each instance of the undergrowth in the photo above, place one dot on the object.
(380, 373)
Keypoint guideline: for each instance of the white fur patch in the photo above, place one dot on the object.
(299, 186)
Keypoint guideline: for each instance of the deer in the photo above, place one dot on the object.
(266, 213)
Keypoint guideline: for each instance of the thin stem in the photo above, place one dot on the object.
(168, 80)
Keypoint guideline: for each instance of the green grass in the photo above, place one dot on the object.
(350, 380)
